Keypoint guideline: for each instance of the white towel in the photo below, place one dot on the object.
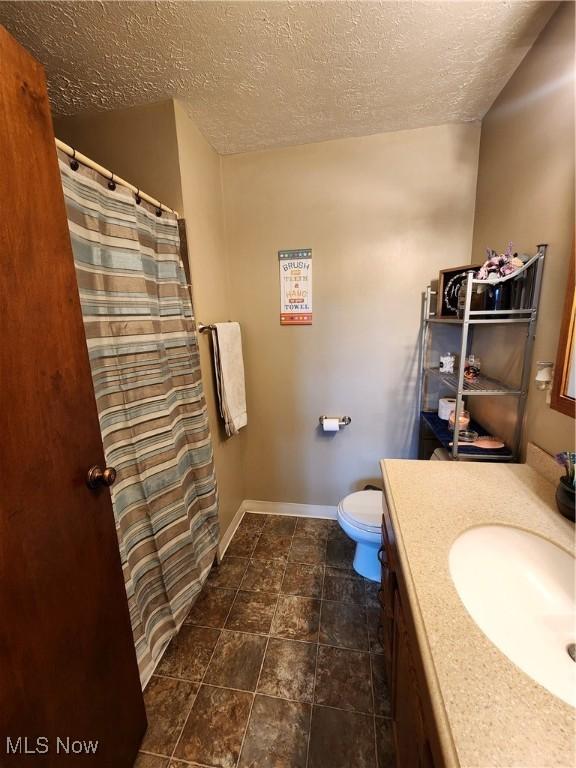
(229, 367)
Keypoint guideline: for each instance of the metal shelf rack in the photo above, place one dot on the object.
(484, 386)
(443, 435)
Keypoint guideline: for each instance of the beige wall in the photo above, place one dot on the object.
(200, 170)
(159, 149)
(526, 194)
(121, 140)
(382, 215)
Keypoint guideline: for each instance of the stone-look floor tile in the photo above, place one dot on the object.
(372, 589)
(337, 533)
(344, 625)
(306, 550)
(252, 522)
(179, 764)
(341, 739)
(236, 661)
(340, 554)
(385, 743)
(281, 525)
(167, 704)
(277, 734)
(343, 679)
(211, 607)
(316, 528)
(296, 618)
(151, 761)
(264, 576)
(288, 670)
(343, 587)
(373, 615)
(272, 546)
(252, 612)
(382, 704)
(214, 731)
(243, 543)
(303, 580)
(189, 652)
(229, 573)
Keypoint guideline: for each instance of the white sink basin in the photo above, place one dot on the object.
(519, 589)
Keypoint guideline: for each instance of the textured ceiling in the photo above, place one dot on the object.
(257, 75)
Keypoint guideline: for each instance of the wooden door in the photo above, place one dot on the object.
(67, 662)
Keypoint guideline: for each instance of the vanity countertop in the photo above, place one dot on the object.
(489, 713)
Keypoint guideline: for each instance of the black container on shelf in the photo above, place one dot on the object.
(498, 295)
(528, 279)
(517, 292)
(521, 290)
(477, 299)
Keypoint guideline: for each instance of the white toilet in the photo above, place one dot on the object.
(360, 517)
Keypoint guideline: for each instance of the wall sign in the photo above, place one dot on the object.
(295, 287)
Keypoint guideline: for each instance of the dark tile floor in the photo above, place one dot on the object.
(277, 664)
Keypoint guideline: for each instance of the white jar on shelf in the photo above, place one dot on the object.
(447, 362)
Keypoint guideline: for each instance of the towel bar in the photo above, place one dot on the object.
(202, 328)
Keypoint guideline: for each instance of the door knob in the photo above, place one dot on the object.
(97, 476)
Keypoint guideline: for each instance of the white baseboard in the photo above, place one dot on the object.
(272, 508)
(231, 530)
(292, 510)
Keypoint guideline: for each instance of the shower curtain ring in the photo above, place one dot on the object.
(74, 164)
(111, 183)
(138, 198)
(158, 211)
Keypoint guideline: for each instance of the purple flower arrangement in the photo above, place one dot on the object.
(567, 459)
(499, 265)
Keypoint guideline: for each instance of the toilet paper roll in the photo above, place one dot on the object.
(332, 425)
(445, 406)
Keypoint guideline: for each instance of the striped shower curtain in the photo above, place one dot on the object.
(144, 357)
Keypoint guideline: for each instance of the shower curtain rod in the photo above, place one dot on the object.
(71, 152)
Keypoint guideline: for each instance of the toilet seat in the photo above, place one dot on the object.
(363, 510)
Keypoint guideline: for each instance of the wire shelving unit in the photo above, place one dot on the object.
(525, 315)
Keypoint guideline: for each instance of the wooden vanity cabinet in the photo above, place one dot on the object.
(388, 589)
(415, 737)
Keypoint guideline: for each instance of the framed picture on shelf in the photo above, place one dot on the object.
(449, 284)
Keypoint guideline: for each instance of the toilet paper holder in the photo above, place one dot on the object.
(343, 421)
